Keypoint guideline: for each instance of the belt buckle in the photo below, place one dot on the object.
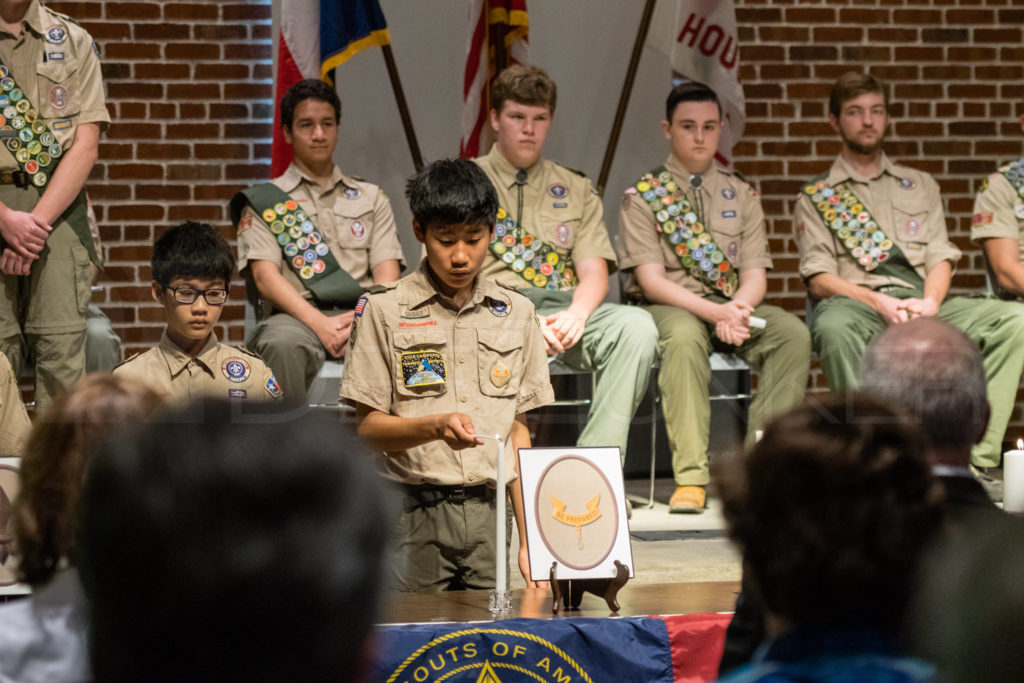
(20, 178)
(457, 495)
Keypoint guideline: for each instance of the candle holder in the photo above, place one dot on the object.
(499, 602)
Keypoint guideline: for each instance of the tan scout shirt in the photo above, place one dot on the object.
(490, 355)
(354, 218)
(732, 215)
(54, 62)
(219, 370)
(906, 204)
(998, 212)
(560, 207)
(14, 422)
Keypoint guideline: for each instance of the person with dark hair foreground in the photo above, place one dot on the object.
(224, 550)
(42, 638)
(832, 511)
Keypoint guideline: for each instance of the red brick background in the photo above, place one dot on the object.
(189, 88)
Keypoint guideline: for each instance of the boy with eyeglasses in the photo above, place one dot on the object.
(192, 266)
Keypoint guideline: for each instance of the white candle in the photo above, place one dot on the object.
(1013, 479)
(501, 550)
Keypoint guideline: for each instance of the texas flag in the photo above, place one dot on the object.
(316, 36)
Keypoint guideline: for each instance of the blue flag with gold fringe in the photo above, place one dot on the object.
(346, 27)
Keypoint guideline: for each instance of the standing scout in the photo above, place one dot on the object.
(52, 111)
(192, 267)
(435, 358)
(312, 240)
(693, 235)
(551, 244)
(998, 226)
(874, 252)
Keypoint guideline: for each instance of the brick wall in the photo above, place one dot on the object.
(189, 88)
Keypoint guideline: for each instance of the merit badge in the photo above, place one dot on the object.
(58, 97)
(499, 308)
(913, 227)
(351, 193)
(237, 393)
(236, 369)
(500, 373)
(358, 230)
(56, 35)
(729, 214)
(360, 305)
(272, 387)
(1019, 210)
(422, 368)
(729, 193)
(558, 191)
(906, 183)
(563, 234)
(269, 215)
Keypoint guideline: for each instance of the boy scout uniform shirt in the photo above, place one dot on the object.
(998, 211)
(14, 422)
(907, 207)
(732, 215)
(219, 371)
(54, 62)
(354, 218)
(412, 353)
(560, 207)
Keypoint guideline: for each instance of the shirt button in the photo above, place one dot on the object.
(462, 359)
(458, 323)
(472, 479)
(464, 399)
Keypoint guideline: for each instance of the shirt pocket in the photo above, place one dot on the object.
(353, 222)
(499, 358)
(421, 363)
(910, 218)
(56, 94)
(562, 227)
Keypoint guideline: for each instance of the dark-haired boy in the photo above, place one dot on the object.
(692, 235)
(435, 358)
(312, 240)
(192, 266)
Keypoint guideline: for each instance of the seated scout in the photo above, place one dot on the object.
(435, 358)
(874, 251)
(693, 236)
(311, 241)
(551, 243)
(192, 267)
(998, 226)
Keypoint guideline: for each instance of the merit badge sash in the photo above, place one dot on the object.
(1014, 174)
(303, 247)
(538, 263)
(693, 244)
(36, 150)
(859, 232)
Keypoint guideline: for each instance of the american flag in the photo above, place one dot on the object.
(498, 37)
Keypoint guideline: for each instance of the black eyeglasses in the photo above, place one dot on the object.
(188, 295)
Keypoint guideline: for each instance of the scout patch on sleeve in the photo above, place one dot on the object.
(423, 368)
(982, 218)
(273, 388)
(360, 305)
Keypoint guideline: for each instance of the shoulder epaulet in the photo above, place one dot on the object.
(380, 289)
(63, 16)
(127, 360)
(247, 352)
(817, 178)
(505, 285)
(738, 175)
(573, 170)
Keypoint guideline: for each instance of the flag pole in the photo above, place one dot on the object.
(627, 88)
(403, 107)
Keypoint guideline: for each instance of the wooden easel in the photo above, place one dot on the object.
(570, 592)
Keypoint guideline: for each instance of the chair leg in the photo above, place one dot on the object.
(654, 444)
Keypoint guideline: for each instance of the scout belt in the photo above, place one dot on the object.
(430, 495)
(538, 263)
(859, 232)
(302, 246)
(692, 243)
(36, 150)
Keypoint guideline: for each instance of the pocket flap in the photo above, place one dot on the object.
(407, 339)
(499, 340)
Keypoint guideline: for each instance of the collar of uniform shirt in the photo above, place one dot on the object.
(177, 360)
(842, 172)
